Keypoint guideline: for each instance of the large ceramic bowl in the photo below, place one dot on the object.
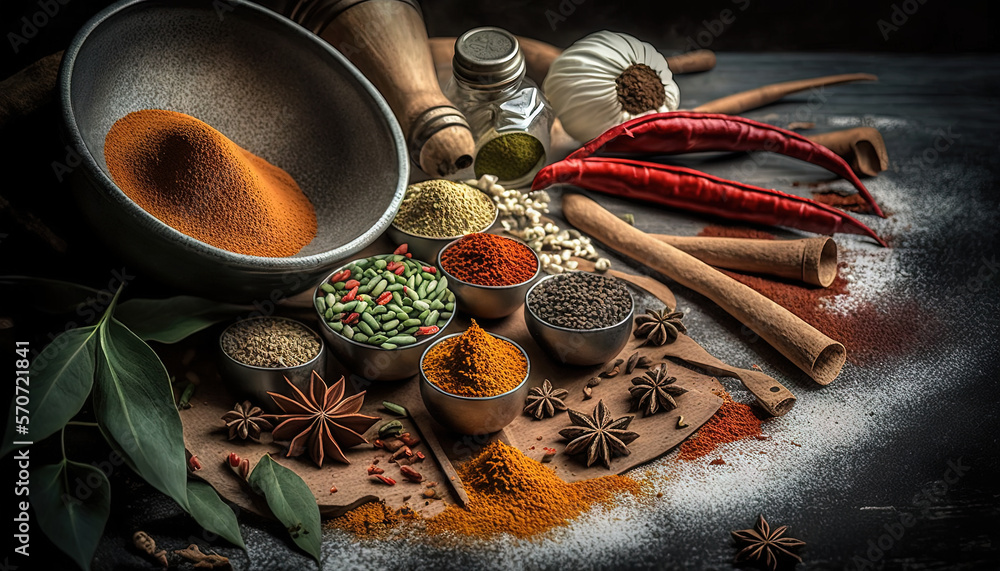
(473, 415)
(266, 83)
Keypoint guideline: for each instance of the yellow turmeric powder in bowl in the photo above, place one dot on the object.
(475, 364)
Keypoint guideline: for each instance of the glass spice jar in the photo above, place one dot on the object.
(509, 117)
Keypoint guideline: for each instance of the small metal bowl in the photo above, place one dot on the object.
(488, 302)
(371, 362)
(426, 247)
(253, 383)
(578, 346)
(473, 415)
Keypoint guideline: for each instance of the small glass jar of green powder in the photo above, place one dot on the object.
(509, 117)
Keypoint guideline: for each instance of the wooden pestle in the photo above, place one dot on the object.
(387, 40)
(811, 260)
(819, 356)
(538, 57)
(862, 147)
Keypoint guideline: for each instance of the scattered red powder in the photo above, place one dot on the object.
(895, 326)
(849, 202)
(733, 421)
(714, 231)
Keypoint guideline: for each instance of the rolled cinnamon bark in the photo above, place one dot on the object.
(811, 260)
(862, 147)
(816, 354)
(754, 98)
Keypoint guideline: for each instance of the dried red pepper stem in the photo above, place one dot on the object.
(692, 190)
(689, 132)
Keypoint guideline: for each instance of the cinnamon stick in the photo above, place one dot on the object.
(816, 354)
(862, 147)
(754, 98)
(811, 260)
(29, 89)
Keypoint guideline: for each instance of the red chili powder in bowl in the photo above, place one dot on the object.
(489, 260)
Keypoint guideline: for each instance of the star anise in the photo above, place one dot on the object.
(655, 391)
(762, 545)
(544, 401)
(321, 421)
(601, 436)
(246, 421)
(659, 327)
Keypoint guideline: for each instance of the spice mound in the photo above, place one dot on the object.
(475, 364)
(197, 181)
(580, 300)
(389, 301)
(271, 342)
(444, 209)
(511, 493)
(490, 260)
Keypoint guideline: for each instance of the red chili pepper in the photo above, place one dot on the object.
(349, 296)
(340, 276)
(690, 132)
(429, 269)
(391, 266)
(351, 284)
(411, 474)
(408, 255)
(352, 318)
(399, 270)
(688, 189)
(194, 463)
(428, 330)
(400, 250)
(385, 298)
(385, 480)
(373, 470)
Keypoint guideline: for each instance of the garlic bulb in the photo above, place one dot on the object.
(606, 79)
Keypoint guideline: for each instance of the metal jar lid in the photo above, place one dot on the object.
(488, 58)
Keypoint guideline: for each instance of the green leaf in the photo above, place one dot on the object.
(212, 513)
(60, 379)
(72, 502)
(48, 296)
(171, 320)
(135, 406)
(291, 501)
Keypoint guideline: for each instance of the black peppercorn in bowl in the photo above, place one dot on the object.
(580, 324)
(348, 338)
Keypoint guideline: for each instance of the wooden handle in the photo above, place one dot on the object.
(811, 260)
(387, 40)
(754, 98)
(862, 147)
(538, 57)
(819, 356)
(772, 395)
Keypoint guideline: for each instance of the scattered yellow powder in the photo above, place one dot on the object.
(371, 520)
(511, 493)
